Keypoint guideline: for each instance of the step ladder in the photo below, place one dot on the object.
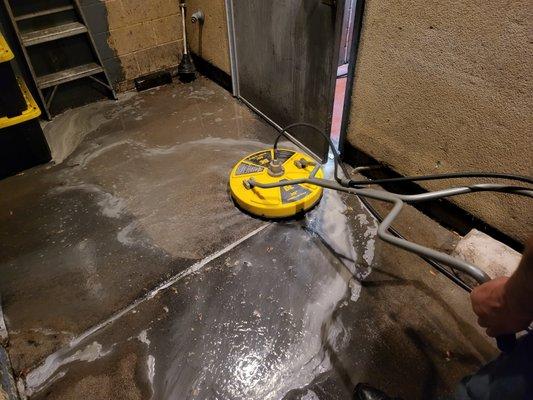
(57, 45)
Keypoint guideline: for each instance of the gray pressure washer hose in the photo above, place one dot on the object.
(505, 342)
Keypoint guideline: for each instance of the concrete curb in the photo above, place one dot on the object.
(492, 256)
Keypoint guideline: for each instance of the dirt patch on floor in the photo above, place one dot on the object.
(126, 382)
(25, 347)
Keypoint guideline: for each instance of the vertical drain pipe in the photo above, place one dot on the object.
(186, 69)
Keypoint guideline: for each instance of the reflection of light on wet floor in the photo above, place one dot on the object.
(257, 347)
(269, 365)
(247, 369)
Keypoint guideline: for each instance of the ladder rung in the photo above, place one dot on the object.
(54, 33)
(67, 75)
(44, 12)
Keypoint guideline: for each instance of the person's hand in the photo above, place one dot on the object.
(489, 302)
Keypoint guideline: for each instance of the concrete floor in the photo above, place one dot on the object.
(128, 273)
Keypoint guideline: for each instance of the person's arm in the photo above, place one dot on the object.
(505, 305)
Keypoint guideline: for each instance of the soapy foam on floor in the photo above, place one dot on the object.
(310, 395)
(68, 129)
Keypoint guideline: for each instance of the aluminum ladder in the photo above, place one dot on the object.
(57, 45)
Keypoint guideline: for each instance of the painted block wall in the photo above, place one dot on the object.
(210, 41)
(135, 37)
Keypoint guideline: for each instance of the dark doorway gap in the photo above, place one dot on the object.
(443, 211)
(352, 24)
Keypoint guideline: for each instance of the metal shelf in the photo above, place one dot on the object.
(53, 33)
(44, 12)
(67, 75)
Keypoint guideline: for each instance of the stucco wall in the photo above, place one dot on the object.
(211, 42)
(446, 86)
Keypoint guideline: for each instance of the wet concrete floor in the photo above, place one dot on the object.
(126, 272)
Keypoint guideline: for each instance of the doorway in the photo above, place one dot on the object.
(342, 69)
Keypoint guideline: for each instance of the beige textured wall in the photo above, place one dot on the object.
(212, 44)
(145, 34)
(446, 86)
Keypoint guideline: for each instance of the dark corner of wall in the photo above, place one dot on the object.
(212, 72)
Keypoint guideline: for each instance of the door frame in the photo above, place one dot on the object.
(347, 31)
(234, 62)
(352, 63)
(232, 48)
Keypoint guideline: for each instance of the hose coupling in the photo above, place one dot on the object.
(248, 183)
(275, 168)
(198, 16)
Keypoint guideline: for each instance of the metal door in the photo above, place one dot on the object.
(284, 61)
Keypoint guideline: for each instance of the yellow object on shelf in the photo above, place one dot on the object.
(5, 52)
(32, 110)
